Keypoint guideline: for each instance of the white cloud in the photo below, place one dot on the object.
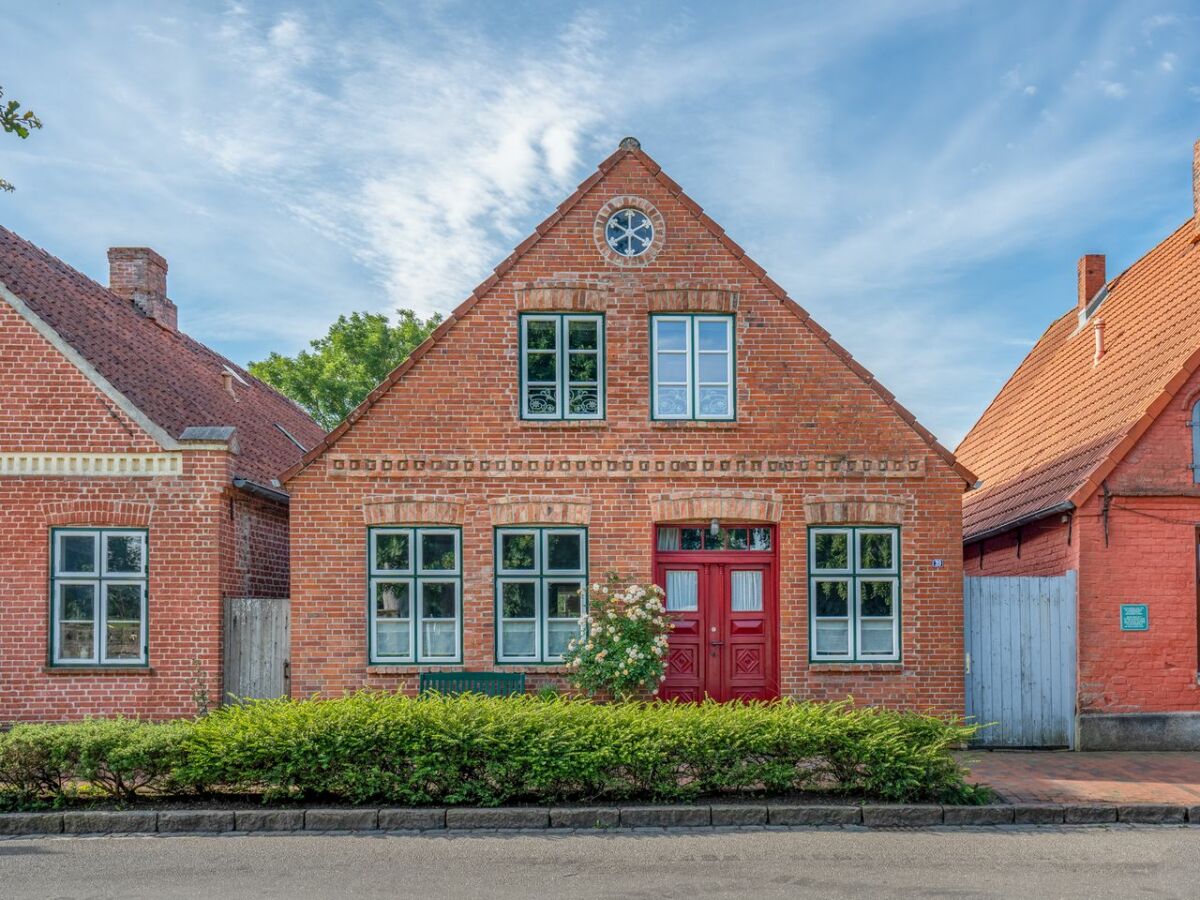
(1114, 89)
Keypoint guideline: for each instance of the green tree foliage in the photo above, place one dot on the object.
(13, 121)
(341, 368)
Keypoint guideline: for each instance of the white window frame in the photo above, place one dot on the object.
(98, 579)
(541, 575)
(855, 575)
(415, 575)
(692, 354)
(562, 379)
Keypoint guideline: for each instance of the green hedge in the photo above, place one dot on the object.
(385, 748)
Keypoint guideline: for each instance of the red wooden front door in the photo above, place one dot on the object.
(724, 603)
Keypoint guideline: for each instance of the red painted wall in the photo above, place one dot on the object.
(795, 397)
(1048, 547)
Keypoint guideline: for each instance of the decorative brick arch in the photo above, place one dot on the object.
(727, 506)
(855, 510)
(541, 511)
(559, 295)
(412, 510)
(115, 513)
(693, 298)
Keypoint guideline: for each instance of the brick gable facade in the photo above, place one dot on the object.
(443, 441)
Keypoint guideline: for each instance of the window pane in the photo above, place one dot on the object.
(671, 368)
(670, 335)
(393, 638)
(713, 335)
(438, 639)
(668, 539)
(714, 367)
(124, 601)
(518, 638)
(736, 539)
(746, 589)
(391, 552)
(393, 600)
(122, 627)
(583, 335)
(672, 401)
(564, 552)
(583, 367)
(681, 591)
(541, 401)
(691, 539)
(714, 541)
(541, 367)
(760, 538)
(876, 598)
(78, 601)
(518, 599)
(541, 334)
(437, 552)
(75, 640)
(875, 550)
(124, 553)
(517, 551)
(832, 598)
(77, 553)
(714, 401)
(438, 600)
(563, 600)
(877, 637)
(831, 550)
(833, 638)
(584, 401)
(558, 635)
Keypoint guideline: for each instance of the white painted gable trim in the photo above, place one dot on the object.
(91, 465)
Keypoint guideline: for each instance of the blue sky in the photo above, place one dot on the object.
(921, 176)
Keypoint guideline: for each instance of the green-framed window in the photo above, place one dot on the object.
(692, 367)
(415, 595)
(562, 366)
(98, 585)
(854, 594)
(541, 592)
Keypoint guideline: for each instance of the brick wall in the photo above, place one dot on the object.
(795, 397)
(1047, 547)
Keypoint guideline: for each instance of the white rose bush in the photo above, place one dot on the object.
(622, 647)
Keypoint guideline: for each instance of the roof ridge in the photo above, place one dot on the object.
(739, 253)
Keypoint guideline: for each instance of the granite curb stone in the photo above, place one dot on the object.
(1038, 813)
(735, 814)
(815, 815)
(404, 819)
(665, 816)
(341, 819)
(585, 817)
(269, 820)
(901, 816)
(208, 820)
(498, 817)
(1083, 814)
(31, 823)
(977, 815)
(1152, 813)
(110, 822)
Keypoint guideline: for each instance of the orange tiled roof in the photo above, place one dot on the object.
(1061, 423)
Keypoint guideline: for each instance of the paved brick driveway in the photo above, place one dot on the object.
(1058, 776)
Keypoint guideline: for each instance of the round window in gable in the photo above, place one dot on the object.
(629, 232)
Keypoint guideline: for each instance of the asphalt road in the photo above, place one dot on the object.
(1093, 863)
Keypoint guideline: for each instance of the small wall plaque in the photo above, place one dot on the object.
(1135, 617)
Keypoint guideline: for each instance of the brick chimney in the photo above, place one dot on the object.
(139, 275)
(1091, 278)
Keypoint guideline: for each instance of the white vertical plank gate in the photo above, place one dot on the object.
(1020, 667)
(256, 647)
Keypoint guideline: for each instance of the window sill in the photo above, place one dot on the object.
(563, 423)
(817, 667)
(97, 670)
(707, 424)
(405, 669)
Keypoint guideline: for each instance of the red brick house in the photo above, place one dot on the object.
(630, 392)
(1089, 460)
(138, 488)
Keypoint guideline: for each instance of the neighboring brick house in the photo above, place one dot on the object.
(1089, 460)
(630, 392)
(138, 488)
